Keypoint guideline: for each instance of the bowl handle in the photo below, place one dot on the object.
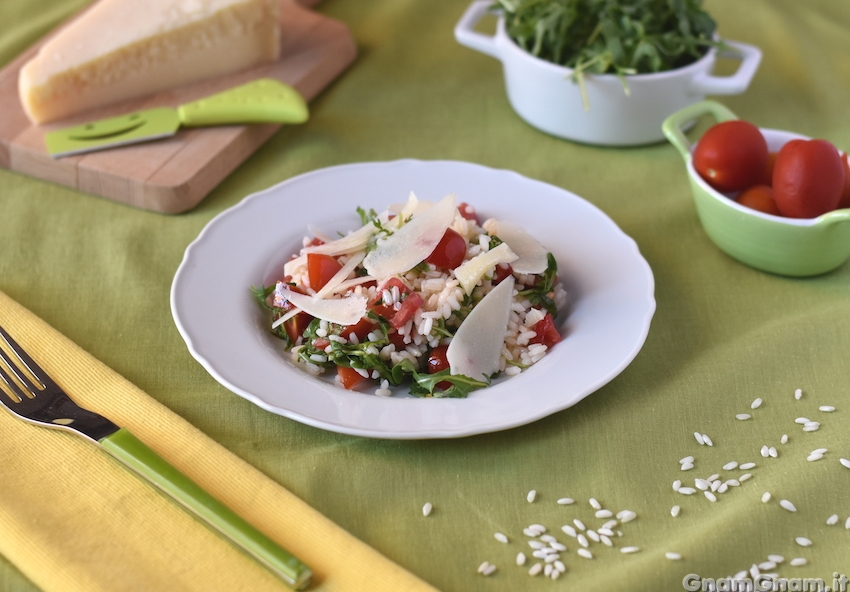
(750, 56)
(465, 34)
(672, 126)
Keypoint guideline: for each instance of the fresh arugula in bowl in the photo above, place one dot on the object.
(620, 37)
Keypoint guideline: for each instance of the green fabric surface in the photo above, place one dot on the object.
(723, 334)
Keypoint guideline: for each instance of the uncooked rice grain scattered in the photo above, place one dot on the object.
(798, 561)
(765, 497)
(783, 439)
(535, 569)
(743, 416)
(629, 549)
(565, 501)
(501, 537)
(730, 466)
(844, 462)
(798, 394)
(756, 404)
(531, 496)
(520, 558)
(803, 542)
(674, 511)
(832, 519)
(788, 505)
(672, 556)
(594, 504)
(826, 408)
(687, 466)
(426, 509)
(699, 438)
(585, 553)
(687, 459)
(711, 497)
(747, 466)
(744, 477)
(707, 440)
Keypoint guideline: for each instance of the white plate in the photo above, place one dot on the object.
(611, 288)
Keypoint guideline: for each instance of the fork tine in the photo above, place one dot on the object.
(23, 359)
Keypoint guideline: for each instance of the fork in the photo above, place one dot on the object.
(33, 396)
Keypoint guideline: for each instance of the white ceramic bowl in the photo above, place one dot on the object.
(545, 95)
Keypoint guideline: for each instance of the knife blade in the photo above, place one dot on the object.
(262, 101)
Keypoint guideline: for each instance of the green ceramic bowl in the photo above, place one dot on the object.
(784, 246)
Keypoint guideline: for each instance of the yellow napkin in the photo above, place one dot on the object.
(73, 519)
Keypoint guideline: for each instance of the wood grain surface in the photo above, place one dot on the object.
(175, 174)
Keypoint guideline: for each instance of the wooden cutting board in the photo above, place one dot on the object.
(173, 175)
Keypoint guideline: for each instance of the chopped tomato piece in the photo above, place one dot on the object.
(321, 343)
(315, 242)
(296, 326)
(361, 329)
(449, 252)
(349, 377)
(320, 269)
(547, 334)
(411, 303)
(397, 339)
(467, 211)
(503, 270)
(437, 362)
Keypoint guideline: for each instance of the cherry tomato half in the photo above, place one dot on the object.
(808, 178)
(759, 198)
(547, 334)
(449, 252)
(731, 156)
(437, 362)
(467, 211)
(349, 377)
(320, 269)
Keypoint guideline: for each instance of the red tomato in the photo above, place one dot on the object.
(547, 334)
(449, 252)
(397, 339)
(437, 362)
(503, 270)
(315, 242)
(296, 326)
(349, 377)
(759, 198)
(361, 329)
(411, 303)
(731, 156)
(844, 202)
(467, 211)
(320, 269)
(808, 178)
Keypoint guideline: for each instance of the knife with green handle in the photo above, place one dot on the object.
(262, 101)
(29, 392)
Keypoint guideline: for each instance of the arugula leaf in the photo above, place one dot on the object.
(261, 294)
(425, 385)
(538, 294)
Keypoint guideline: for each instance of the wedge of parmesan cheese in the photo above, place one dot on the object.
(476, 348)
(343, 311)
(532, 257)
(471, 272)
(413, 242)
(122, 49)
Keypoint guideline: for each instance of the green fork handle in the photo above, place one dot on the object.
(262, 101)
(133, 453)
(672, 126)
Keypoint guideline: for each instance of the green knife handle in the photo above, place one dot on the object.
(133, 453)
(262, 101)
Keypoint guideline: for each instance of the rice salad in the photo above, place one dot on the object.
(422, 293)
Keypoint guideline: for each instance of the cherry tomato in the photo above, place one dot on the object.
(467, 211)
(808, 178)
(449, 252)
(296, 326)
(547, 334)
(771, 164)
(731, 156)
(349, 377)
(320, 269)
(503, 270)
(437, 362)
(411, 303)
(361, 329)
(844, 202)
(759, 198)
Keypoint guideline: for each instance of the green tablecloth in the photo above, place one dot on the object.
(723, 334)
